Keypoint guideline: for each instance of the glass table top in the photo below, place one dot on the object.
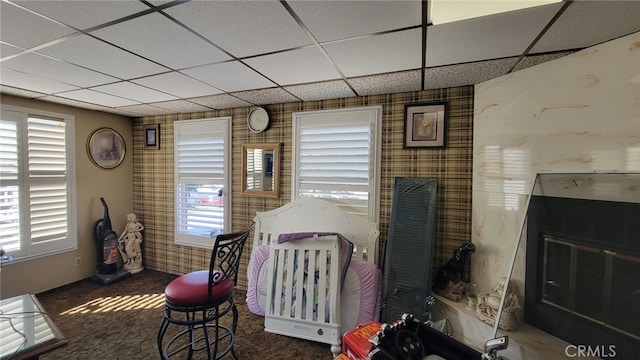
(26, 330)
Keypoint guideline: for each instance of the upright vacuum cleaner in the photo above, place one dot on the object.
(106, 242)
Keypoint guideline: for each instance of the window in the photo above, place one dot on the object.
(202, 177)
(336, 156)
(37, 183)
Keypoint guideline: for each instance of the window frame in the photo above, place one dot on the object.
(375, 123)
(192, 239)
(30, 251)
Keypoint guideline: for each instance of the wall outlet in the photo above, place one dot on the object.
(78, 261)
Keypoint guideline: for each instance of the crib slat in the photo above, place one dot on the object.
(334, 286)
(279, 286)
(290, 275)
(322, 285)
(270, 271)
(310, 291)
(300, 254)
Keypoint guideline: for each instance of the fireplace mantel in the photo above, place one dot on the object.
(525, 343)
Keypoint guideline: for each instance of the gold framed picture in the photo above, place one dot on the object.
(152, 137)
(106, 148)
(425, 125)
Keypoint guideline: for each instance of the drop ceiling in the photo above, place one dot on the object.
(139, 58)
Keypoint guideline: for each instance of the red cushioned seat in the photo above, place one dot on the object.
(191, 289)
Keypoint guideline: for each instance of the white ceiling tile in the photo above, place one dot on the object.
(266, 96)
(134, 92)
(181, 106)
(321, 91)
(444, 11)
(587, 23)
(487, 37)
(22, 28)
(10, 90)
(295, 67)
(6, 50)
(76, 103)
(331, 20)
(84, 14)
(178, 85)
(222, 101)
(95, 54)
(230, 76)
(242, 27)
(466, 74)
(387, 83)
(143, 109)
(119, 111)
(155, 37)
(95, 97)
(57, 70)
(159, 2)
(31, 82)
(378, 54)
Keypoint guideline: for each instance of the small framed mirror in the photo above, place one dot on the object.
(261, 169)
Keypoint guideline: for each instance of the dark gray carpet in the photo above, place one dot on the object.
(121, 321)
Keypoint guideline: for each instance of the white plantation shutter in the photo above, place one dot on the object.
(254, 169)
(9, 190)
(202, 178)
(336, 157)
(37, 184)
(48, 183)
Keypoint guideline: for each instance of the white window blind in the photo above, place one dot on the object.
(202, 178)
(37, 183)
(336, 157)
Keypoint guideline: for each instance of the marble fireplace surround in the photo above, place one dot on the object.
(576, 114)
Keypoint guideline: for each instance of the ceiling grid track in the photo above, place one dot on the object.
(317, 44)
(425, 24)
(160, 57)
(564, 7)
(233, 58)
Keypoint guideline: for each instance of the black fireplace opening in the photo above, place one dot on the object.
(582, 281)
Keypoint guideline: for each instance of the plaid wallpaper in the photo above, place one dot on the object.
(451, 166)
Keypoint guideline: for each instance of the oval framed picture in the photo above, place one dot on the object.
(106, 148)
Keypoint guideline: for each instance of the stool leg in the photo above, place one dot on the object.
(191, 317)
(205, 335)
(235, 318)
(233, 328)
(163, 329)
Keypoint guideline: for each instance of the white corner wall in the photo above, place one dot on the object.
(579, 113)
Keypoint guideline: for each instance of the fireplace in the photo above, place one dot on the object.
(582, 281)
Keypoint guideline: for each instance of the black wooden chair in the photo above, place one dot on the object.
(199, 299)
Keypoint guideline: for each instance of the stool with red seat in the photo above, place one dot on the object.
(198, 300)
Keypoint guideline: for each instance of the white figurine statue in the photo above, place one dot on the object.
(129, 244)
(488, 304)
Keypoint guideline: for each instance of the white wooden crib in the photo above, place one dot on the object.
(285, 313)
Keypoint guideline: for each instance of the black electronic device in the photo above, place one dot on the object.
(409, 339)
